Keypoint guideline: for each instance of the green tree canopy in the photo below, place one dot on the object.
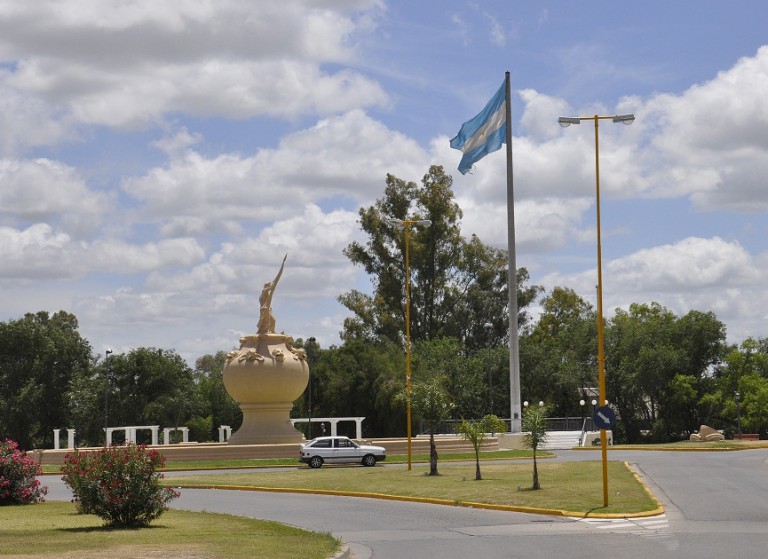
(658, 368)
(150, 386)
(457, 285)
(40, 354)
(558, 356)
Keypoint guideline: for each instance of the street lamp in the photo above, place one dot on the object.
(566, 121)
(107, 353)
(405, 224)
(310, 343)
(738, 415)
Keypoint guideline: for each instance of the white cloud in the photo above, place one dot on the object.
(120, 65)
(313, 240)
(693, 273)
(38, 252)
(346, 156)
(41, 188)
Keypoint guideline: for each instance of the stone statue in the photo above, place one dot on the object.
(265, 376)
(266, 319)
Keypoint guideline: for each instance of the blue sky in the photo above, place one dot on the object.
(157, 160)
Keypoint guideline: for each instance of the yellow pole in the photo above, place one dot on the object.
(407, 225)
(600, 329)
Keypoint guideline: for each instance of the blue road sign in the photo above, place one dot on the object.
(604, 417)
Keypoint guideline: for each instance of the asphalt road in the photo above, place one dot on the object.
(716, 507)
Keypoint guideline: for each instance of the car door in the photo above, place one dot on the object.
(344, 450)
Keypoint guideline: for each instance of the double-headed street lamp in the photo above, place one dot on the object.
(566, 121)
(405, 224)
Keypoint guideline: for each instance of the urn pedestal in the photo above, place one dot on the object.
(265, 376)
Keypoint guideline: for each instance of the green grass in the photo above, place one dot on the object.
(570, 486)
(57, 530)
(293, 462)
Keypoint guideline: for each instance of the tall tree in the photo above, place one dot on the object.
(150, 386)
(658, 367)
(456, 285)
(360, 379)
(743, 371)
(39, 355)
(558, 354)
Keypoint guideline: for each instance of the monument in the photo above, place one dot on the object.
(264, 377)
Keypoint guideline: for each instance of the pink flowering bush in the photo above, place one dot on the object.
(18, 476)
(119, 484)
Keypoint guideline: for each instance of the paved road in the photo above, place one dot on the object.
(716, 507)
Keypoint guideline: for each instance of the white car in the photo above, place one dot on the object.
(335, 450)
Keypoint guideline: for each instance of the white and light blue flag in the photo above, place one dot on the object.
(483, 134)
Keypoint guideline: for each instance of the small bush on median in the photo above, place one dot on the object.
(119, 484)
(18, 482)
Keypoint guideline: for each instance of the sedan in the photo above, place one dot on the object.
(336, 450)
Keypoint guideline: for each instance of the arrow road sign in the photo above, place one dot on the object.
(604, 417)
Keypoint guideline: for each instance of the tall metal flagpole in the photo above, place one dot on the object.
(514, 349)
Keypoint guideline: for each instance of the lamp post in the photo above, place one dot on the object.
(405, 224)
(107, 353)
(738, 415)
(310, 343)
(566, 121)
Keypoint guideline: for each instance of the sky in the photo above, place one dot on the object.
(158, 159)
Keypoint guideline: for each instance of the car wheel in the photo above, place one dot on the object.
(315, 462)
(369, 460)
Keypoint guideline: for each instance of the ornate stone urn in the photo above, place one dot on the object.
(265, 376)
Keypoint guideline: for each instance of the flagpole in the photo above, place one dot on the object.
(514, 349)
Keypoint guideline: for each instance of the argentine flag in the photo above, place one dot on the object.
(483, 134)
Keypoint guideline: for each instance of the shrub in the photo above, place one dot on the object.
(18, 482)
(119, 484)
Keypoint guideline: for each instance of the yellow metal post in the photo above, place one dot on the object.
(567, 121)
(600, 326)
(408, 341)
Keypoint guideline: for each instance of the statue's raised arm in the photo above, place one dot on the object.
(266, 319)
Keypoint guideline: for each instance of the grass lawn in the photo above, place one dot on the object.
(570, 486)
(57, 530)
(293, 462)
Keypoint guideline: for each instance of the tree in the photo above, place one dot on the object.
(456, 285)
(744, 370)
(213, 400)
(462, 375)
(534, 427)
(39, 356)
(431, 403)
(654, 360)
(558, 354)
(477, 432)
(150, 386)
(361, 379)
